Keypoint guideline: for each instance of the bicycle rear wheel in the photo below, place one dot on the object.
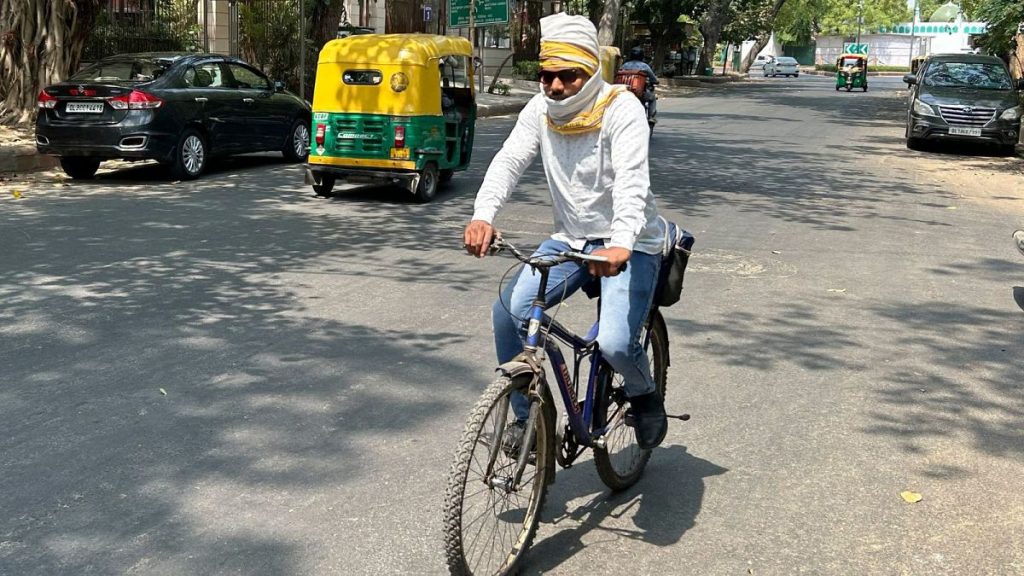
(621, 462)
(488, 526)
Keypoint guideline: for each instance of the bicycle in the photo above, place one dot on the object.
(512, 481)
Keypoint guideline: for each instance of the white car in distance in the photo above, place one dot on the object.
(782, 66)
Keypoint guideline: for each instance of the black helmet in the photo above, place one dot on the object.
(636, 53)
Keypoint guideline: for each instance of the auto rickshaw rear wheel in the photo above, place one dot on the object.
(427, 188)
(325, 186)
(446, 175)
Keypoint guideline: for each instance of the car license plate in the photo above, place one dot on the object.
(960, 131)
(400, 153)
(84, 107)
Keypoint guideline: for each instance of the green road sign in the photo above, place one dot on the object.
(487, 12)
(852, 48)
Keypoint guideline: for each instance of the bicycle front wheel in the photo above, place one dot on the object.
(621, 462)
(490, 519)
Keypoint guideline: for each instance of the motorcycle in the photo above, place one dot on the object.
(637, 83)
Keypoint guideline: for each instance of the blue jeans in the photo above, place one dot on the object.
(625, 303)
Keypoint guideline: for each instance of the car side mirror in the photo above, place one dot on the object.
(910, 79)
(278, 86)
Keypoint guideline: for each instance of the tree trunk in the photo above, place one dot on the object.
(606, 26)
(763, 38)
(41, 43)
(526, 33)
(323, 27)
(711, 29)
(759, 45)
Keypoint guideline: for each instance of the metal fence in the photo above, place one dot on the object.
(147, 26)
(265, 33)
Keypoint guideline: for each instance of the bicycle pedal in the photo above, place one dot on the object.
(683, 417)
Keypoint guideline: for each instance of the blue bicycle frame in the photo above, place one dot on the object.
(540, 324)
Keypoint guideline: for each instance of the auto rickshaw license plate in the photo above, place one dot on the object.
(400, 153)
(960, 131)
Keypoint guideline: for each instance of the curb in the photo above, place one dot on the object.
(24, 159)
(502, 109)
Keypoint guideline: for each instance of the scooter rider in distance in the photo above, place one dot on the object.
(636, 62)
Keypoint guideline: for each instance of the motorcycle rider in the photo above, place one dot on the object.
(636, 62)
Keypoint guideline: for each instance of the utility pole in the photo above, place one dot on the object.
(302, 49)
(913, 31)
(860, 19)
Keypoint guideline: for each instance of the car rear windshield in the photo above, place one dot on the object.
(122, 70)
(786, 60)
(983, 75)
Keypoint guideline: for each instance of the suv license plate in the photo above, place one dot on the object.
(84, 107)
(959, 131)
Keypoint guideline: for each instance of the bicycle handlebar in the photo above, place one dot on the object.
(543, 260)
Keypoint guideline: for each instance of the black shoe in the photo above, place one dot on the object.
(647, 415)
(512, 438)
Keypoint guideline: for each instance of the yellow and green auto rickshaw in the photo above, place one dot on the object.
(611, 59)
(915, 63)
(392, 109)
(852, 72)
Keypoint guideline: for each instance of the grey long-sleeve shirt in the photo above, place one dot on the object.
(599, 181)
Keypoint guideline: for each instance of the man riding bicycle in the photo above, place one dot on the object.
(636, 62)
(593, 141)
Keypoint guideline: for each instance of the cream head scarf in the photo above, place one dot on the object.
(571, 42)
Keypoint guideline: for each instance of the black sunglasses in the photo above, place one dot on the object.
(567, 76)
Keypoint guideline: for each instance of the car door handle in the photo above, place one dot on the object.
(201, 100)
(248, 100)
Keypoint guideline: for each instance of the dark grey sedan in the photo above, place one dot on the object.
(179, 109)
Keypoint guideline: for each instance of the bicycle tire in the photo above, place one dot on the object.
(621, 463)
(462, 555)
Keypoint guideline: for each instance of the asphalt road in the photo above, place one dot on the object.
(231, 376)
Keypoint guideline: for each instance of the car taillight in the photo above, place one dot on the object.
(399, 136)
(135, 100)
(45, 100)
(321, 132)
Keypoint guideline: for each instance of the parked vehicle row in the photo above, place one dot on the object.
(389, 109)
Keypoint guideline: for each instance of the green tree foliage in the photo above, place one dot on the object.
(799, 20)
(1003, 17)
(662, 19)
(841, 16)
(267, 33)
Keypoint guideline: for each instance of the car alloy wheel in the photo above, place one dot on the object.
(190, 157)
(300, 139)
(193, 154)
(296, 145)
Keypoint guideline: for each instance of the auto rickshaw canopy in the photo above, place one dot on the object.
(397, 49)
(391, 74)
(862, 60)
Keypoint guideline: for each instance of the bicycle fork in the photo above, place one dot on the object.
(511, 483)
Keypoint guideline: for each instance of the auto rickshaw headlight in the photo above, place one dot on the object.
(399, 81)
(922, 108)
(1011, 114)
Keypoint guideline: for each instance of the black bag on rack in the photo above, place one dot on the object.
(674, 256)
